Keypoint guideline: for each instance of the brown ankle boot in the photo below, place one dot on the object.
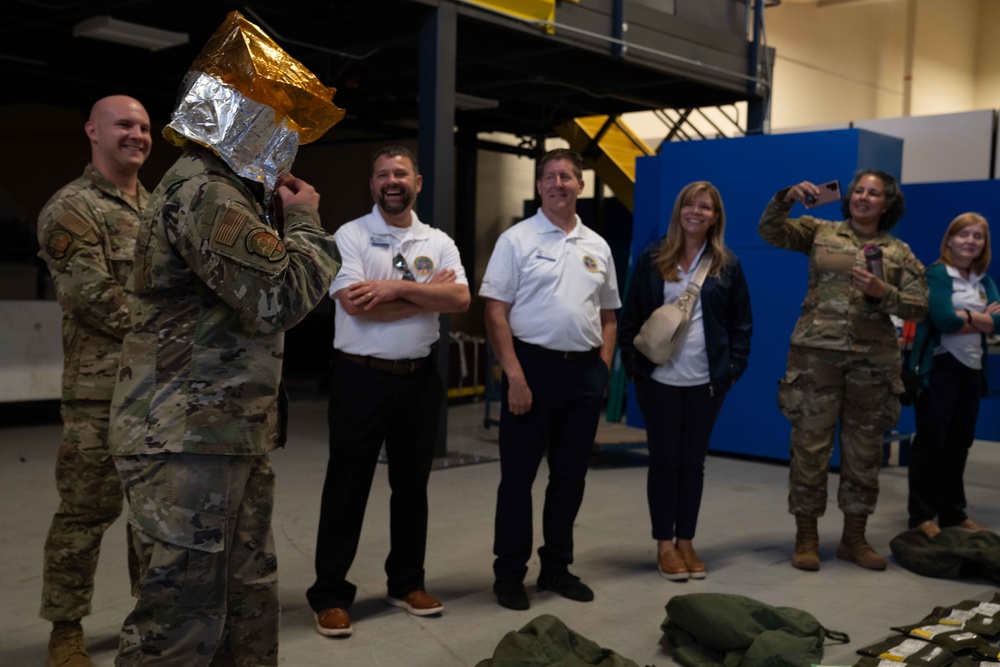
(806, 555)
(853, 546)
(66, 647)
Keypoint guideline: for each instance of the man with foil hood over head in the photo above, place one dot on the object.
(230, 254)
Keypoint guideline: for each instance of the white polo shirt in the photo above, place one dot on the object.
(367, 247)
(557, 283)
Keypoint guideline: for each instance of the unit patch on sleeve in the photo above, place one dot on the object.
(265, 244)
(58, 243)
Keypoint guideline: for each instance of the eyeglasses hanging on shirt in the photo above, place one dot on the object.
(400, 263)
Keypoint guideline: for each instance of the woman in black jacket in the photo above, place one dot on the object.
(681, 398)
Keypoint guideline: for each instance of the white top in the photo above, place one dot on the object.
(367, 246)
(688, 367)
(965, 295)
(557, 283)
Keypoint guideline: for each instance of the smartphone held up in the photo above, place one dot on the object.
(828, 192)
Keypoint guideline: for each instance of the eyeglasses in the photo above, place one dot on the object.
(400, 263)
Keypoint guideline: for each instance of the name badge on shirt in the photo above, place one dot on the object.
(542, 255)
(378, 243)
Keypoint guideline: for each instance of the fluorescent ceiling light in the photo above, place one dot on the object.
(130, 34)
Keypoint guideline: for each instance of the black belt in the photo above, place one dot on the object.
(394, 366)
(561, 354)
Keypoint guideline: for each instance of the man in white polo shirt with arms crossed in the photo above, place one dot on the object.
(398, 274)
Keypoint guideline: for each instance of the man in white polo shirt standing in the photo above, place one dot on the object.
(551, 298)
(397, 275)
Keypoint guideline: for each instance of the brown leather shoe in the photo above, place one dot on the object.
(66, 647)
(695, 566)
(334, 622)
(418, 603)
(929, 528)
(972, 526)
(672, 566)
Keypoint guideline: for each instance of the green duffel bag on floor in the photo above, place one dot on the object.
(547, 642)
(720, 630)
(953, 553)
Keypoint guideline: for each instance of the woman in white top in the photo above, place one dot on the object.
(681, 398)
(950, 356)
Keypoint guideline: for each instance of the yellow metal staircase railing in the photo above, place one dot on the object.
(610, 148)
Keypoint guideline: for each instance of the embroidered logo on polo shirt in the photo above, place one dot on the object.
(423, 265)
(265, 244)
(590, 264)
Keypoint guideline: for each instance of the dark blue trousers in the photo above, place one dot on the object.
(369, 407)
(946, 415)
(567, 395)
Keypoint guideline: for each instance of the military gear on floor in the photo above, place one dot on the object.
(954, 553)
(954, 638)
(854, 547)
(907, 650)
(980, 617)
(547, 642)
(806, 556)
(66, 647)
(716, 629)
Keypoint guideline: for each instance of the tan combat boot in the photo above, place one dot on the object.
(806, 555)
(66, 647)
(853, 546)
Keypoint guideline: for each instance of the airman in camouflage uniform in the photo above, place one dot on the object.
(196, 407)
(87, 236)
(230, 256)
(844, 360)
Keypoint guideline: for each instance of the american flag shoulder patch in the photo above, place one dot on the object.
(73, 223)
(227, 230)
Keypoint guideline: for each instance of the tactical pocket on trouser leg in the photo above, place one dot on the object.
(790, 396)
(888, 411)
(186, 563)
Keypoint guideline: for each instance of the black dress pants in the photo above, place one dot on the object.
(946, 415)
(369, 407)
(679, 423)
(567, 395)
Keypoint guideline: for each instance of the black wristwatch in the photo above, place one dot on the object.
(968, 316)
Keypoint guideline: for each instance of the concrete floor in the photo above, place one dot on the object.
(745, 537)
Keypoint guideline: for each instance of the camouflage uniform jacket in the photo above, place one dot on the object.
(216, 288)
(87, 236)
(835, 315)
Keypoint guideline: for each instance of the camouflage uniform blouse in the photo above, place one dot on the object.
(216, 288)
(87, 236)
(835, 315)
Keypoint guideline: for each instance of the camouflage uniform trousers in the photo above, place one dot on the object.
(91, 495)
(208, 589)
(820, 388)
